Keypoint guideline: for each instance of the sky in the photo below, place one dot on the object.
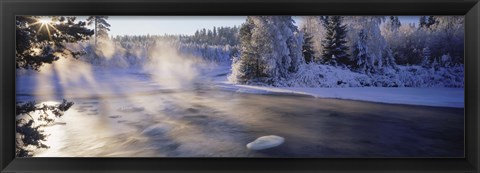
(184, 25)
(159, 25)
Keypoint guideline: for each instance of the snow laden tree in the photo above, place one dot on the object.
(393, 24)
(446, 39)
(307, 49)
(220, 36)
(406, 43)
(360, 52)
(427, 54)
(378, 54)
(41, 40)
(314, 26)
(270, 50)
(247, 66)
(392, 33)
(443, 35)
(334, 43)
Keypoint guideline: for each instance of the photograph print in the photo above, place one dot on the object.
(240, 86)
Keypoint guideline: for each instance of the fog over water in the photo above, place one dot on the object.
(143, 113)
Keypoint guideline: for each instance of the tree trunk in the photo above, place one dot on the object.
(96, 38)
(96, 32)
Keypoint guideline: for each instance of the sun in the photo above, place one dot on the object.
(44, 20)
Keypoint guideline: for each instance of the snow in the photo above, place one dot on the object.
(423, 96)
(265, 142)
(440, 97)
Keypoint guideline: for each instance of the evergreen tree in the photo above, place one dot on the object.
(324, 20)
(210, 34)
(271, 49)
(307, 49)
(427, 22)
(427, 54)
(431, 21)
(360, 52)
(422, 22)
(246, 66)
(43, 40)
(217, 36)
(314, 26)
(294, 43)
(392, 32)
(101, 26)
(334, 48)
(388, 60)
(377, 45)
(446, 37)
(214, 31)
(394, 23)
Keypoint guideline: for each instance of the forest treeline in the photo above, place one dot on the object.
(320, 51)
(380, 50)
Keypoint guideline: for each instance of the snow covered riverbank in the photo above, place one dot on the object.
(441, 97)
(426, 96)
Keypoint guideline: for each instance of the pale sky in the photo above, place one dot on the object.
(185, 25)
(160, 25)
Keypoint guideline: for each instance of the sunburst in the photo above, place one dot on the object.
(46, 22)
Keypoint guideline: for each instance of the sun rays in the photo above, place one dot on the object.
(45, 22)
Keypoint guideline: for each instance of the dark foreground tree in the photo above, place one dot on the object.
(41, 40)
(334, 44)
(29, 133)
(307, 48)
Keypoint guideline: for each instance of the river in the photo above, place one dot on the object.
(205, 121)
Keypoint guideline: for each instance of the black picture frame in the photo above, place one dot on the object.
(10, 8)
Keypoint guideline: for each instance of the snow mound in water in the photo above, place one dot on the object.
(157, 129)
(265, 142)
(131, 109)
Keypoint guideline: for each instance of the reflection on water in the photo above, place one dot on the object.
(206, 122)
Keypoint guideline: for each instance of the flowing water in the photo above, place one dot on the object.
(203, 121)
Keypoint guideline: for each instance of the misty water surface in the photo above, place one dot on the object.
(134, 116)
